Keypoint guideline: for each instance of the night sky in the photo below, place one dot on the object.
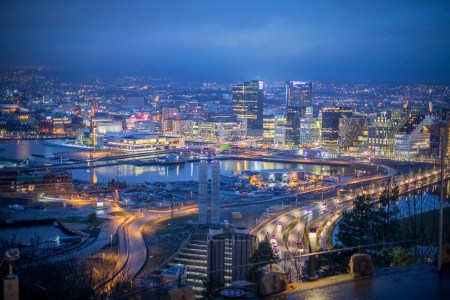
(384, 40)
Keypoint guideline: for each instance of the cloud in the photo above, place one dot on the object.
(246, 36)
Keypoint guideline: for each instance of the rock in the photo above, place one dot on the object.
(361, 265)
(184, 292)
(271, 280)
(445, 256)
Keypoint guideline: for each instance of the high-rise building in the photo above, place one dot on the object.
(298, 96)
(309, 129)
(437, 131)
(381, 136)
(382, 131)
(221, 131)
(268, 126)
(279, 136)
(353, 134)
(248, 103)
(293, 116)
(413, 138)
(330, 125)
(169, 113)
(229, 256)
(445, 115)
(203, 193)
(299, 93)
(215, 192)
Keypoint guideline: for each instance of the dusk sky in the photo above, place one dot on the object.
(384, 40)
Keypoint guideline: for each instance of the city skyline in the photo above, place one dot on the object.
(405, 41)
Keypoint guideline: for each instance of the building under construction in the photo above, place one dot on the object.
(211, 216)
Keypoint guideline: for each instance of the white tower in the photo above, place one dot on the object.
(202, 193)
(215, 193)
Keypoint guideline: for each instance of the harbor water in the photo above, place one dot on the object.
(22, 149)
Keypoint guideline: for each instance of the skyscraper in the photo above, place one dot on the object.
(248, 103)
(293, 116)
(298, 93)
(298, 96)
(268, 126)
(330, 125)
(353, 134)
(310, 134)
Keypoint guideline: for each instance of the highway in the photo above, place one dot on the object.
(286, 231)
(285, 241)
(134, 253)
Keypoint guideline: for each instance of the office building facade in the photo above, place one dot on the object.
(298, 93)
(353, 134)
(310, 131)
(330, 125)
(248, 103)
(293, 117)
(413, 138)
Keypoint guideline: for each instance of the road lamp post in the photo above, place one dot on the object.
(111, 240)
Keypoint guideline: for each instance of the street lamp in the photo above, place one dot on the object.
(111, 241)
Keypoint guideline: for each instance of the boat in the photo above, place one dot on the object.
(145, 162)
(53, 240)
(92, 159)
(49, 156)
(7, 164)
(207, 157)
(171, 159)
(193, 158)
(46, 155)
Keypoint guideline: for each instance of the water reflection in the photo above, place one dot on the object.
(22, 149)
(139, 170)
(189, 171)
(25, 235)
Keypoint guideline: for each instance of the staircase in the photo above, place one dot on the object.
(194, 256)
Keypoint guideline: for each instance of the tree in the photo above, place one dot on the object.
(261, 257)
(92, 218)
(388, 213)
(74, 278)
(356, 226)
(402, 256)
(264, 252)
(390, 257)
